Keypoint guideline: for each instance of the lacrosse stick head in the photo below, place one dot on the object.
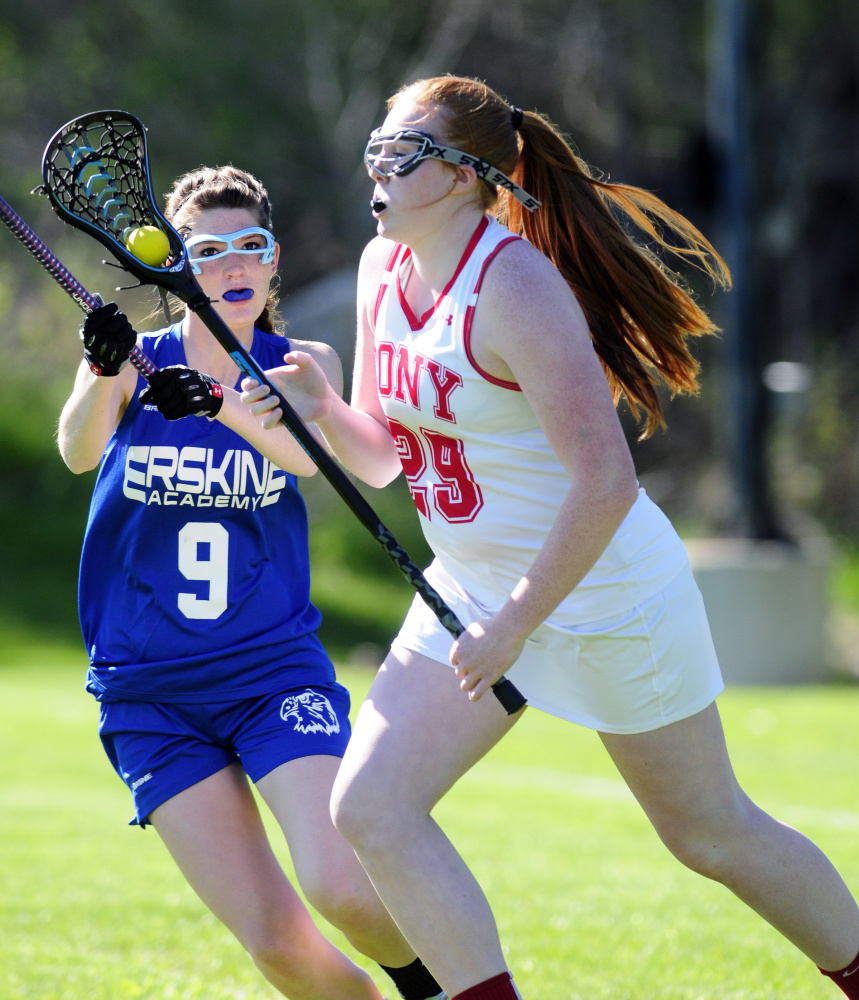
(96, 175)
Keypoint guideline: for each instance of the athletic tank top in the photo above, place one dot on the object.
(194, 579)
(485, 481)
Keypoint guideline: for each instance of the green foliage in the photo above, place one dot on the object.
(589, 904)
(43, 509)
(845, 578)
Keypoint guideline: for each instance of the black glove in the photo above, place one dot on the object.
(178, 392)
(108, 340)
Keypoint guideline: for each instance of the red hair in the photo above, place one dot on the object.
(640, 315)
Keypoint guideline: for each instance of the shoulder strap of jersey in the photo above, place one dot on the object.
(469, 316)
(387, 278)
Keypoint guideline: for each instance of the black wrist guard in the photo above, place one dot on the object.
(178, 392)
(108, 340)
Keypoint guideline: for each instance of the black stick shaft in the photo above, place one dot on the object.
(506, 692)
(63, 276)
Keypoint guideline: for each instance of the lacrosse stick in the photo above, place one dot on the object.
(61, 274)
(96, 174)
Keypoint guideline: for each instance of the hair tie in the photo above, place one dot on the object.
(516, 117)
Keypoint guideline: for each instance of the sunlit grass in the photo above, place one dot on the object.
(590, 905)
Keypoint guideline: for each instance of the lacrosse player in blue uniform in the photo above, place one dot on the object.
(195, 609)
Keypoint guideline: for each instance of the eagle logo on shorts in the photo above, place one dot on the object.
(311, 713)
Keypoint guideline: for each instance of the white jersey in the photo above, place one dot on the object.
(486, 482)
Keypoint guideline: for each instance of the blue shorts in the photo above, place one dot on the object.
(160, 749)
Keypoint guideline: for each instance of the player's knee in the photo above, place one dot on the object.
(326, 891)
(280, 957)
(350, 907)
(709, 848)
(372, 817)
(698, 854)
(352, 812)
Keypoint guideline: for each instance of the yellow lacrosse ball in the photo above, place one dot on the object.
(148, 244)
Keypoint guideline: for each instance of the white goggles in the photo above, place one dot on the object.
(204, 247)
(399, 153)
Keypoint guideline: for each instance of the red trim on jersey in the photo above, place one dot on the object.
(416, 323)
(383, 285)
(469, 316)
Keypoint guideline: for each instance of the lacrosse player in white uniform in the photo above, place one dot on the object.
(487, 370)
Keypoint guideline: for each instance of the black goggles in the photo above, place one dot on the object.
(399, 153)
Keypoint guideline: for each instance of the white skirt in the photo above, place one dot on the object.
(640, 670)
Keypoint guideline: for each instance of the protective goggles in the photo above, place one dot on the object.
(204, 247)
(399, 153)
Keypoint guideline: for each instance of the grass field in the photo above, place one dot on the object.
(589, 903)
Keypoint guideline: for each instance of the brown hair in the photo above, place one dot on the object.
(640, 315)
(224, 187)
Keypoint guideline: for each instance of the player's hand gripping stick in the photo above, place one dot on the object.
(180, 392)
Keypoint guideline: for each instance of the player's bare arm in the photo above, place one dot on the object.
(91, 415)
(270, 437)
(529, 328)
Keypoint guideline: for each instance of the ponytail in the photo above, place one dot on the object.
(639, 314)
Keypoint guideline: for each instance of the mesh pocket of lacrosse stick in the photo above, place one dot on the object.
(96, 175)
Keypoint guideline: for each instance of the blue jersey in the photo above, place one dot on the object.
(195, 580)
